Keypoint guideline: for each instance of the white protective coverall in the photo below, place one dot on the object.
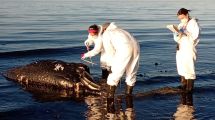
(123, 53)
(186, 55)
(98, 47)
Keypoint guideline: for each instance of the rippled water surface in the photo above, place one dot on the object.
(33, 30)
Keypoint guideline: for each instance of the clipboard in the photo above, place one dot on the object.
(173, 28)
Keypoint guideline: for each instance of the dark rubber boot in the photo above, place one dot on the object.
(183, 83)
(129, 101)
(104, 77)
(190, 84)
(128, 90)
(111, 91)
(110, 99)
(187, 98)
(183, 98)
(190, 99)
(105, 74)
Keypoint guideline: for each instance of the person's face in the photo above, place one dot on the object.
(93, 34)
(182, 16)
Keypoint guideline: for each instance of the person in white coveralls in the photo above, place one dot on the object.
(187, 40)
(122, 53)
(94, 37)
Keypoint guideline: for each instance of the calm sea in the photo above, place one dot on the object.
(33, 30)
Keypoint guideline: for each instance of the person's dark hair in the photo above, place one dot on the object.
(94, 27)
(105, 25)
(183, 11)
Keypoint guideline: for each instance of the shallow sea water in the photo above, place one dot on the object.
(53, 29)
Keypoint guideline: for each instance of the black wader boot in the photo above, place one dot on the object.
(190, 99)
(111, 91)
(104, 77)
(183, 98)
(187, 98)
(105, 74)
(129, 101)
(184, 83)
(128, 90)
(190, 84)
(110, 98)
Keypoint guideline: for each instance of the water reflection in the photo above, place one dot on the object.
(185, 110)
(96, 108)
(48, 94)
(110, 108)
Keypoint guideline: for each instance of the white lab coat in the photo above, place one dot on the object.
(98, 48)
(123, 52)
(186, 55)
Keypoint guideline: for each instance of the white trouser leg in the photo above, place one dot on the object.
(131, 71)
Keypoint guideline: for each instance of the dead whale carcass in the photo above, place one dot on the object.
(54, 74)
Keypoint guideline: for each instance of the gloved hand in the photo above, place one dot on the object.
(82, 56)
(86, 43)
